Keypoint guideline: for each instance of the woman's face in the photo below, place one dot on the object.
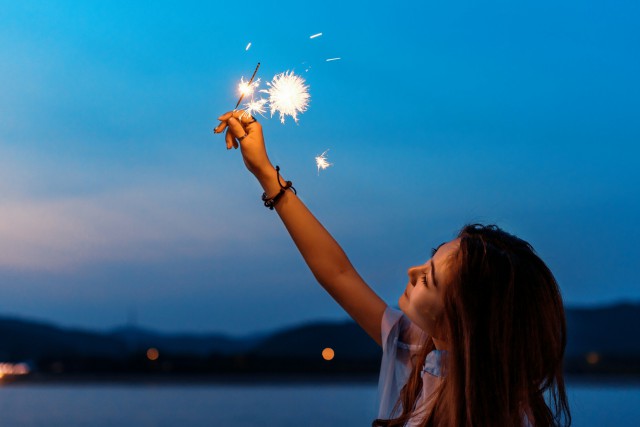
(423, 299)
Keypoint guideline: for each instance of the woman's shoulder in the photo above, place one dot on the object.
(398, 330)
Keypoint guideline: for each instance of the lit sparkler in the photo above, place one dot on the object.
(245, 88)
(248, 85)
(322, 162)
(288, 95)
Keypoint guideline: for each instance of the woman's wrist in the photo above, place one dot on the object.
(274, 185)
(268, 179)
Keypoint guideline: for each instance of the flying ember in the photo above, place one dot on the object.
(322, 162)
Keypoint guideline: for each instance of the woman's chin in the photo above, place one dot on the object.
(401, 301)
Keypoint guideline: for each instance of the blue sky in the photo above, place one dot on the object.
(117, 201)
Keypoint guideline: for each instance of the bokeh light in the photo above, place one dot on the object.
(153, 354)
(328, 353)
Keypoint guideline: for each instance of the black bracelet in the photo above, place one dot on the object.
(270, 202)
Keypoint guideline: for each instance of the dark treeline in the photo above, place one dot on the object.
(602, 341)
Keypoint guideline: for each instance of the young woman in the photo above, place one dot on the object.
(481, 334)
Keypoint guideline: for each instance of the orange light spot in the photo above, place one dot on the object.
(153, 354)
(592, 358)
(328, 353)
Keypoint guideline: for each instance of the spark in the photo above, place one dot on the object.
(256, 106)
(333, 59)
(321, 161)
(288, 95)
(248, 46)
(315, 35)
(247, 88)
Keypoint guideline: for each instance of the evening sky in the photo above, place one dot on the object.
(118, 204)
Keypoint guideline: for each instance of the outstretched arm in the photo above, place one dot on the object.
(324, 256)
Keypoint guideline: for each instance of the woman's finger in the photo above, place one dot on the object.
(239, 124)
(229, 139)
(236, 128)
(223, 122)
(226, 116)
(235, 143)
(220, 128)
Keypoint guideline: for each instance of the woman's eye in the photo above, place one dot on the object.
(424, 280)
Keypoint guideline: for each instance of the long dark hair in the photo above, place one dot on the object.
(505, 327)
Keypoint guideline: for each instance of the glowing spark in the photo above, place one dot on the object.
(248, 46)
(247, 88)
(333, 59)
(321, 161)
(288, 95)
(256, 106)
(315, 35)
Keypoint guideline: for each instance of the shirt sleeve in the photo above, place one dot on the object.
(400, 340)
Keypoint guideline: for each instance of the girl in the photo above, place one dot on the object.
(480, 337)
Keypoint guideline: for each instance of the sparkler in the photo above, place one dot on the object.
(288, 95)
(249, 84)
(246, 87)
(322, 162)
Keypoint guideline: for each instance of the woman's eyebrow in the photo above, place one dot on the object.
(434, 250)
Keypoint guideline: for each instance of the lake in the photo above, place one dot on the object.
(240, 405)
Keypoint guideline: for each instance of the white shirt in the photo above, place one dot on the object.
(401, 341)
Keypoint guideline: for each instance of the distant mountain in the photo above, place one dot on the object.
(603, 339)
(27, 340)
(347, 340)
(188, 344)
(613, 330)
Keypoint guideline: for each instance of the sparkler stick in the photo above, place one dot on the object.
(243, 93)
(248, 85)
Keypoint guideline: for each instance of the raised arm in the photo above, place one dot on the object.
(321, 252)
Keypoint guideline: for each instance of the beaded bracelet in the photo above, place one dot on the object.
(270, 202)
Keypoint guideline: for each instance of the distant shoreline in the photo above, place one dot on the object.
(256, 379)
(133, 379)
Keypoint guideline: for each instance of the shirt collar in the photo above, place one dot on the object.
(433, 363)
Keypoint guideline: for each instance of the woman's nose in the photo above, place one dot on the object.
(413, 275)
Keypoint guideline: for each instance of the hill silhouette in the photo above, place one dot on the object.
(601, 340)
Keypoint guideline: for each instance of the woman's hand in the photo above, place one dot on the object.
(244, 131)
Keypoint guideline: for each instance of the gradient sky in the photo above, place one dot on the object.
(117, 202)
